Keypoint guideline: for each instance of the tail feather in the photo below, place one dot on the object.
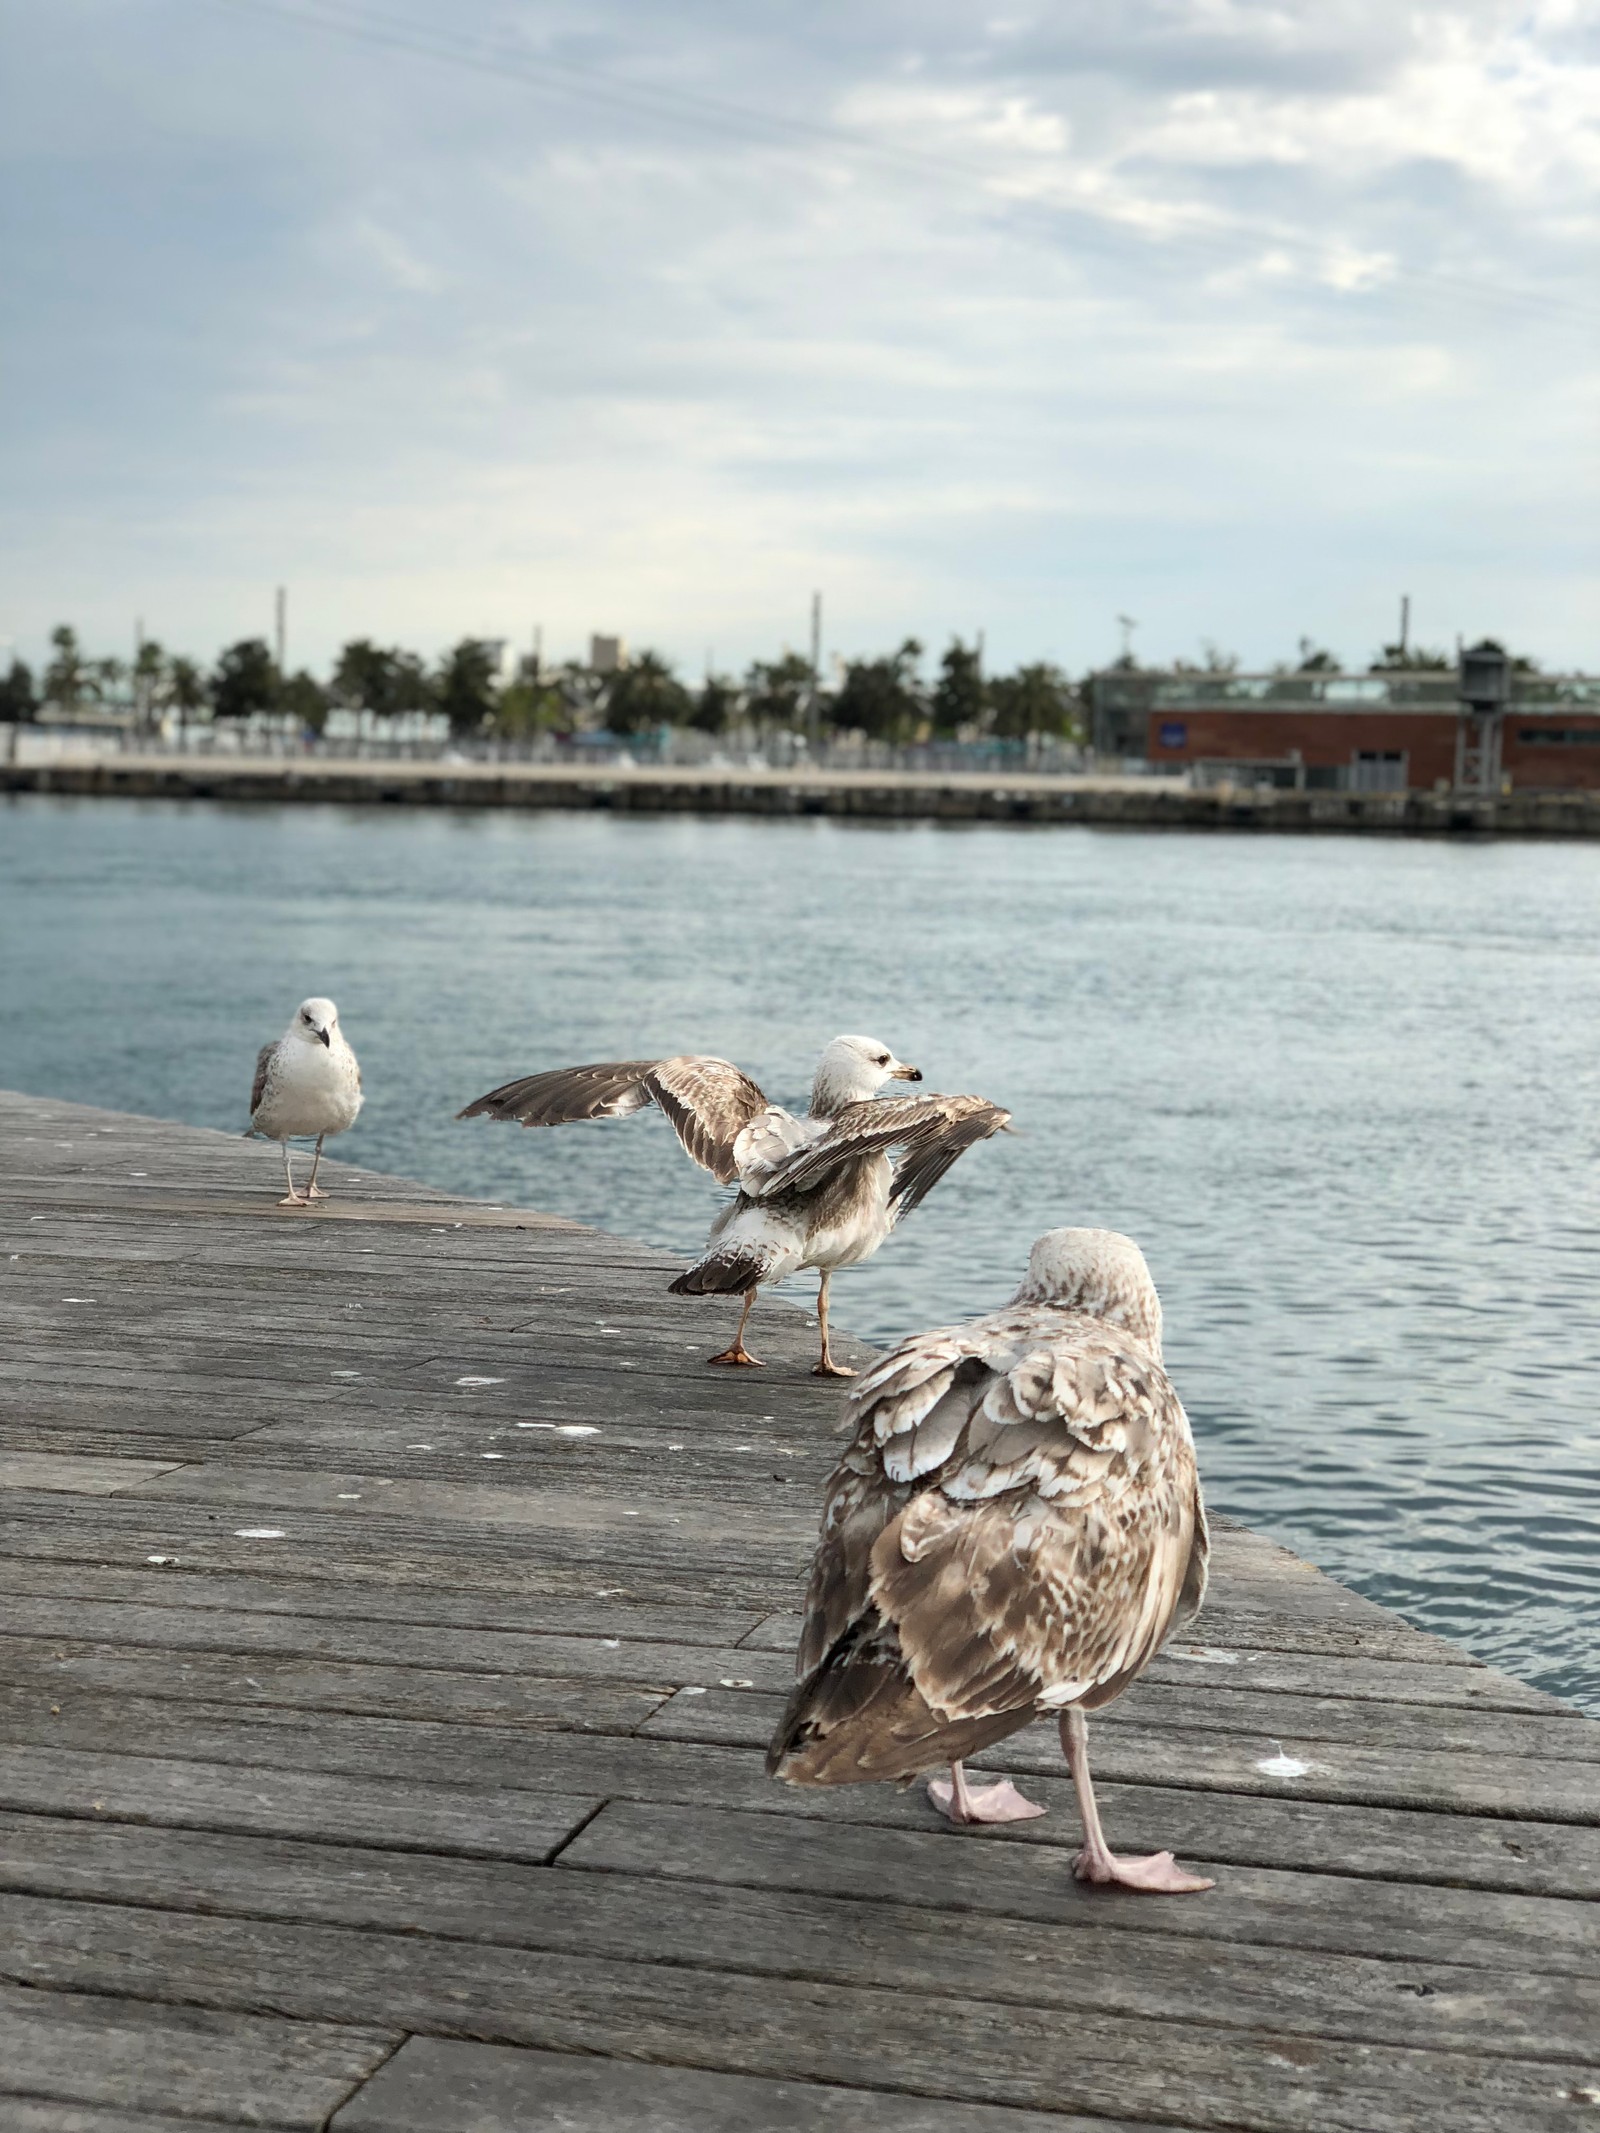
(723, 1273)
(859, 1718)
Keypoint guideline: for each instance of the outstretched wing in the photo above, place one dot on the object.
(1015, 1526)
(931, 1131)
(708, 1102)
(258, 1087)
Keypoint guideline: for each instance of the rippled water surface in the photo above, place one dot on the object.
(1341, 1091)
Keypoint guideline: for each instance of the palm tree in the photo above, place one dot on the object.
(66, 678)
(149, 674)
(186, 692)
(644, 693)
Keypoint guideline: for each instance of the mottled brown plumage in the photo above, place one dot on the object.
(1015, 1528)
(707, 1101)
(817, 1191)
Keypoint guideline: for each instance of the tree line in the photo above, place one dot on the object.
(885, 698)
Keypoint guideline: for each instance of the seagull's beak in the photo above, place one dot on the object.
(901, 1072)
(326, 1035)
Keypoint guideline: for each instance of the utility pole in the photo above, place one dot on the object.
(1405, 623)
(138, 690)
(814, 708)
(1127, 625)
(280, 627)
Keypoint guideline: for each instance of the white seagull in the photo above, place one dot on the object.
(1014, 1530)
(818, 1191)
(307, 1084)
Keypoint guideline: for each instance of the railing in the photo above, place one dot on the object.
(1402, 688)
(429, 740)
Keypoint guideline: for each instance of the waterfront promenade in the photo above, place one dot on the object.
(861, 795)
(394, 1611)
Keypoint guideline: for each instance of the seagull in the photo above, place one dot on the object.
(1014, 1529)
(307, 1083)
(818, 1191)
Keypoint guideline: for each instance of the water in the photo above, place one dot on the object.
(1341, 1091)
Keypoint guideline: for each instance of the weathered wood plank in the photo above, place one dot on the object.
(1406, 1845)
(26, 2114)
(183, 1592)
(779, 1899)
(528, 1822)
(796, 2029)
(1440, 1779)
(77, 2047)
(545, 1614)
(433, 2086)
(306, 1685)
(966, 1872)
(82, 1477)
(589, 1657)
(648, 1569)
(1323, 1727)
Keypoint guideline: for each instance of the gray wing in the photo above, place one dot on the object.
(258, 1087)
(931, 1131)
(708, 1101)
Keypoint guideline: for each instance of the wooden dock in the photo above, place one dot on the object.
(394, 1612)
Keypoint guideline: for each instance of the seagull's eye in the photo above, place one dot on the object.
(883, 1059)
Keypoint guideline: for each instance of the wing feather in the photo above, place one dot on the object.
(258, 1088)
(932, 1130)
(708, 1102)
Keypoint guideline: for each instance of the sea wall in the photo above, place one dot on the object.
(1142, 803)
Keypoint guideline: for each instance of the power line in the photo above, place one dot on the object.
(568, 79)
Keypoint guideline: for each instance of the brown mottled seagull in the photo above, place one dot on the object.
(307, 1084)
(818, 1191)
(1012, 1533)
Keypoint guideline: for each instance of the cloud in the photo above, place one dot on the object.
(1241, 317)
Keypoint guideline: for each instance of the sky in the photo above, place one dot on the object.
(467, 317)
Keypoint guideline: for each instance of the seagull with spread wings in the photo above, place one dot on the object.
(819, 1191)
(1012, 1533)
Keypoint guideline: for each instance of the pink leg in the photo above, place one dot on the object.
(313, 1190)
(1158, 1872)
(738, 1352)
(294, 1199)
(962, 1802)
(827, 1367)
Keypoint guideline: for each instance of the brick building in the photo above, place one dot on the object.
(1378, 732)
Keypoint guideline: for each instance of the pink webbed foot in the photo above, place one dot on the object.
(828, 1368)
(982, 1803)
(294, 1199)
(315, 1192)
(1157, 1874)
